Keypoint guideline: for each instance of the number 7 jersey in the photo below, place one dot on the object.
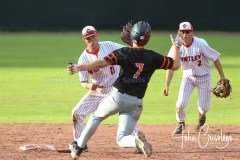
(195, 58)
(106, 76)
(137, 66)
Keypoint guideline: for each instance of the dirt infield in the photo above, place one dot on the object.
(103, 144)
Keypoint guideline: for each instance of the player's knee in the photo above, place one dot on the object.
(181, 104)
(77, 117)
(180, 109)
(126, 141)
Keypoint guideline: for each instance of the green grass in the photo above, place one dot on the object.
(35, 87)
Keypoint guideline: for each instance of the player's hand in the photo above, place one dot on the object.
(72, 68)
(92, 86)
(166, 91)
(178, 40)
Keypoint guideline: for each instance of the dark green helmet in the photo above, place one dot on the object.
(141, 33)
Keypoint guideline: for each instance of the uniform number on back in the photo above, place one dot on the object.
(140, 68)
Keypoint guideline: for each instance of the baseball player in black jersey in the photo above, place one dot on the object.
(138, 65)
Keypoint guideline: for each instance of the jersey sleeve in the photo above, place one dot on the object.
(116, 58)
(163, 62)
(83, 75)
(208, 52)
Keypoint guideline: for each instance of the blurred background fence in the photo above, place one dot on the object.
(70, 15)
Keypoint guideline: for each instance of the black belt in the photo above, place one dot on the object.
(130, 95)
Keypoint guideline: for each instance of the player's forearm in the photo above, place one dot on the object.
(169, 76)
(218, 65)
(176, 57)
(94, 65)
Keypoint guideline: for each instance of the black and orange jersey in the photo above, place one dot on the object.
(137, 67)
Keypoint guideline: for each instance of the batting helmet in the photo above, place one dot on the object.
(141, 33)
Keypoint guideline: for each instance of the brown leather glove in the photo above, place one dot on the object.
(126, 34)
(223, 88)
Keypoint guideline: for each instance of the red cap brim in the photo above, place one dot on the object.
(89, 35)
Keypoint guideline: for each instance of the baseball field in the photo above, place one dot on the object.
(37, 96)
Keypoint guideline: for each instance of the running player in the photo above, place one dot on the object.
(195, 54)
(101, 79)
(138, 65)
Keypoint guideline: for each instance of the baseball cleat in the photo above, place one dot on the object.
(201, 122)
(199, 128)
(180, 128)
(85, 149)
(202, 119)
(143, 145)
(75, 150)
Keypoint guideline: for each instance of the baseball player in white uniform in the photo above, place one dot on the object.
(102, 79)
(195, 54)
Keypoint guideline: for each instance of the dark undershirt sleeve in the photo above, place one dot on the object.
(116, 58)
(163, 62)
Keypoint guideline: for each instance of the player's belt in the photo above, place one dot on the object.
(129, 95)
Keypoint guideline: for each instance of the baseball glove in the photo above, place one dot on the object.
(126, 34)
(223, 88)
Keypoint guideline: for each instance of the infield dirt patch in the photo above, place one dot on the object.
(103, 144)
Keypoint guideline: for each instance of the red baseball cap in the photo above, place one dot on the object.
(185, 26)
(88, 31)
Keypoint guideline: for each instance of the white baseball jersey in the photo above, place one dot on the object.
(106, 76)
(196, 73)
(195, 58)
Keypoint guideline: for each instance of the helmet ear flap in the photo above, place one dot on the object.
(141, 33)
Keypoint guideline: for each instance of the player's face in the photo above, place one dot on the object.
(91, 41)
(186, 35)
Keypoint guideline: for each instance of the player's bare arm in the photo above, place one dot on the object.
(169, 76)
(176, 63)
(218, 65)
(94, 65)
